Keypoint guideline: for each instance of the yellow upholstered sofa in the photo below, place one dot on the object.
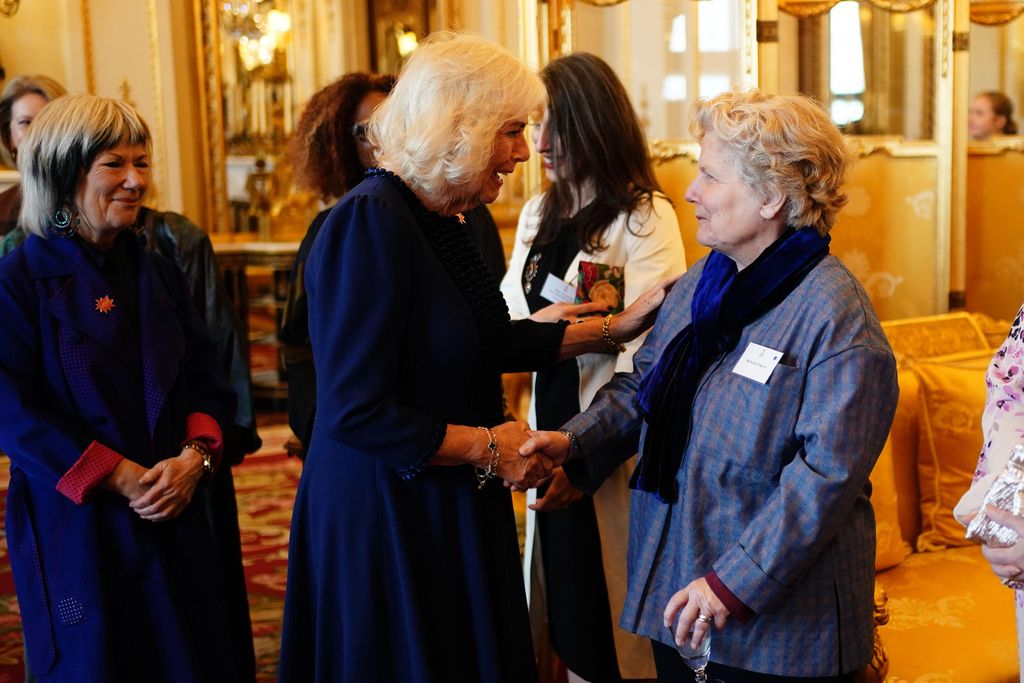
(943, 616)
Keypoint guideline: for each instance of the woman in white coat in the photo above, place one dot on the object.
(603, 215)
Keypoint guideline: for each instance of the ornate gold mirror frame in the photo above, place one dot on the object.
(218, 212)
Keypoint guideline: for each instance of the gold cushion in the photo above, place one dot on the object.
(951, 400)
(890, 548)
(902, 445)
(950, 620)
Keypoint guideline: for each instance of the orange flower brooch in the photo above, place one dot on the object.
(105, 304)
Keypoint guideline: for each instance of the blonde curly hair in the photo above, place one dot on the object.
(785, 142)
(438, 127)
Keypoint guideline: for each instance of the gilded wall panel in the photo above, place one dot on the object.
(887, 234)
(675, 171)
(995, 240)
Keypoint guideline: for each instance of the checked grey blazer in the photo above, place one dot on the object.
(774, 492)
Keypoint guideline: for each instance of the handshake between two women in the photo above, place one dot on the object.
(523, 458)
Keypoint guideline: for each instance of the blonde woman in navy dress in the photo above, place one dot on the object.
(404, 562)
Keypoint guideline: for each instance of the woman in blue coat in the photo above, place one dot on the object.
(404, 562)
(113, 406)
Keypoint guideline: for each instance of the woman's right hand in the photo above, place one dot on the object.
(639, 316)
(519, 472)
(571, 312)
(1007, 562)
(124, 480)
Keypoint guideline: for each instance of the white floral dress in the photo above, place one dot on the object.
(1003, 426)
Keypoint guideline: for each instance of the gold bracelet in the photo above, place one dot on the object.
(610, 345)
(204, 452)
(486, 473)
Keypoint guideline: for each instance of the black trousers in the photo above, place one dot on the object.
(672, 669)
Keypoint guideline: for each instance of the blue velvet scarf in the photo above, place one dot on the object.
(724, 302)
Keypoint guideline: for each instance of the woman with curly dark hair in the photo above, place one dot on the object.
(330, 153)
(329, 148)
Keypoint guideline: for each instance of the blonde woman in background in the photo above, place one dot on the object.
(21, 101)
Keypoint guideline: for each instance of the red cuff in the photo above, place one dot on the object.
(92, 467)
(202, 426)
(736, 608)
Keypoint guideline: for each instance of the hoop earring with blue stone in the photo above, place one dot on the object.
(65, 221)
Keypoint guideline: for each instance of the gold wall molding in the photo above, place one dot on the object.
(160, 141)
(750, 46)
(90, 67)
(995, 13)
(667, 150)
(996, 145)
(814, 8)
(603, 3)
(863, 146)
(902, 6)
(767, 31)
(218, 214)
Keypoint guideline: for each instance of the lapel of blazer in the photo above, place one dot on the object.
(162, 343)
(79, 300)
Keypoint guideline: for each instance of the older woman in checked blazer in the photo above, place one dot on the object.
(761, 400)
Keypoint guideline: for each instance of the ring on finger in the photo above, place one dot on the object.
(705, 618)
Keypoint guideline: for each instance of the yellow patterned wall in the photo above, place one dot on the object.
(886, 235)
(995, 238)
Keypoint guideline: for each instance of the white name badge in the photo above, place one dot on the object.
(757, 363)
(558, 291)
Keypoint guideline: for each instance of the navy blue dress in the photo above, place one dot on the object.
(400, 571)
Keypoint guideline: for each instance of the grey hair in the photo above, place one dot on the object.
(16, 88)
(437, 129)
(785, 142)
(61, 145)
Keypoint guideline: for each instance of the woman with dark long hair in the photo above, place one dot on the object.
(604, 216)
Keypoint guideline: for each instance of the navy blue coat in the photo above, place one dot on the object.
(104, 595)
(399, 572)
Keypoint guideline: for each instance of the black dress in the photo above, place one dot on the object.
(579, 617)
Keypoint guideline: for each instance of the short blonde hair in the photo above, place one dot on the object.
(785, 142)
(438, 127)
(61, 145)
(16, 88)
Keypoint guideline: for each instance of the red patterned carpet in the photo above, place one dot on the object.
(265, 486)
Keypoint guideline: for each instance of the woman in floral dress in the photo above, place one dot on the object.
(1003, 426)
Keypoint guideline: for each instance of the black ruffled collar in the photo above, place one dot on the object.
(463, 262)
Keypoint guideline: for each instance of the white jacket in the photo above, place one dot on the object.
(649, 249)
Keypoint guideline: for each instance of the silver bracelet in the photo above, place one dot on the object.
(489, 472)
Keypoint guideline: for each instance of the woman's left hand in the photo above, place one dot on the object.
(694, 600)
(640, 315)
(173, 482)
(560, 494)
(571, 312)
(1007, 562)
